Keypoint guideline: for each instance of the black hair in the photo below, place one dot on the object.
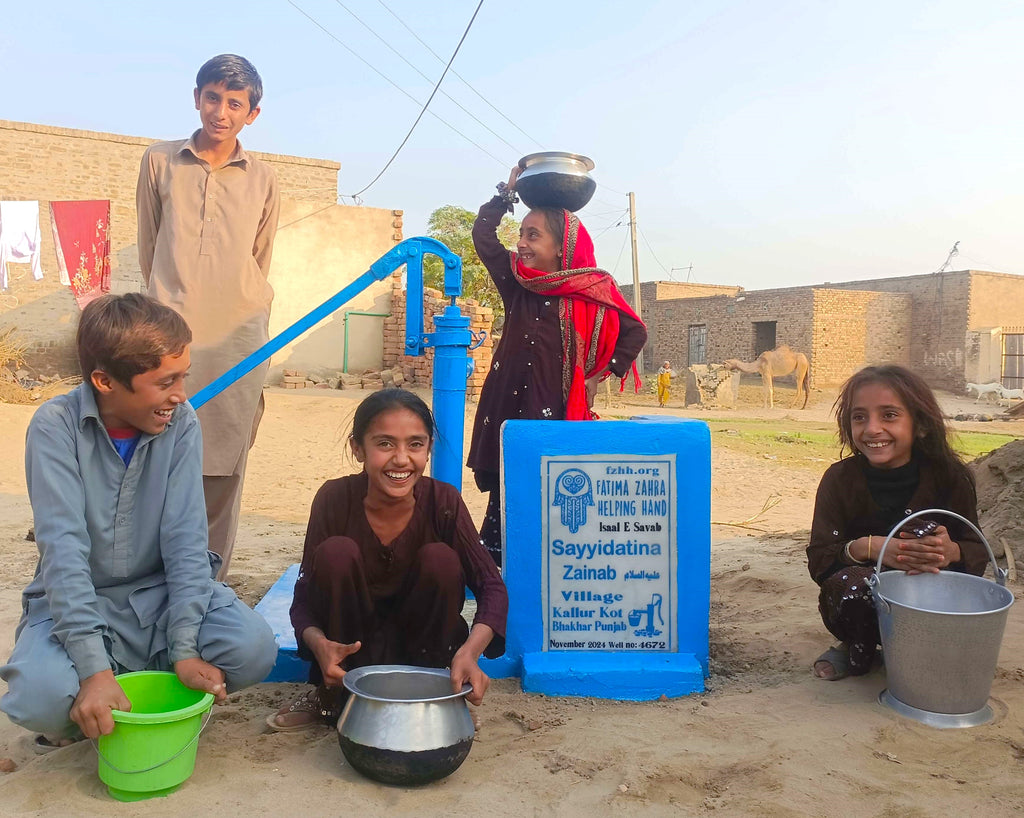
(384, 400)
(237, 74)
(126, 335)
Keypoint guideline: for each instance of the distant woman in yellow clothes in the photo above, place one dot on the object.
(665, 376)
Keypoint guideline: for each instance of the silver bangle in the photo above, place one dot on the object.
(850, 558)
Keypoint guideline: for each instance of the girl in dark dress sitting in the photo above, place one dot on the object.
(388, 555)
(901, 462)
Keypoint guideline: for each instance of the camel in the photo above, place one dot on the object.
(775, 364)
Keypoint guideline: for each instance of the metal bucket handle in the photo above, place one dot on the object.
(1000, 573)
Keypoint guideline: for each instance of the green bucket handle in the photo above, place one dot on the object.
(191, 741)
(1000, 573)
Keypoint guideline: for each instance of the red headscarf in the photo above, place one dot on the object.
(589, 303)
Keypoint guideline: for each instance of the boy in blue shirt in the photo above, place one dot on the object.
(124, 580)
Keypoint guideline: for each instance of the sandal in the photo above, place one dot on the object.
(839, 658)
(43, 745)
(314, 707)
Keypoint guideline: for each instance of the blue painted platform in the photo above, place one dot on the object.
(274, 608)
(289, 667)
(634, 676)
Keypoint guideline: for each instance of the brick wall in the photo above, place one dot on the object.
(420, 369)
(938, 319)
(730, 323)
(852, 329)
(44, 163)
(651, 292)
(997, 300)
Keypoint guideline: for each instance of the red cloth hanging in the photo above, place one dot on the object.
(81, 237)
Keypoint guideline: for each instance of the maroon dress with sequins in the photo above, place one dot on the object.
(525, 379)
(844, 510)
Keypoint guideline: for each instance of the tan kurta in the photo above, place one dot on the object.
(205, 241)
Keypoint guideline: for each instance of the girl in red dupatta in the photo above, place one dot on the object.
(567, 327)
(588, 309)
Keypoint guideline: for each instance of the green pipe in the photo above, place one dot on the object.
(345, 315)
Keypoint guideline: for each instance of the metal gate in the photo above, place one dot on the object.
(1013, 361)
(698, 346)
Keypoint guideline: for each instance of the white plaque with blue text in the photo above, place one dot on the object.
(609, 560)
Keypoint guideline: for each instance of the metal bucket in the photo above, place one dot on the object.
(940, 637)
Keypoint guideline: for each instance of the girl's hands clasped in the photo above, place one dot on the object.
(906, 552)
(928, 554)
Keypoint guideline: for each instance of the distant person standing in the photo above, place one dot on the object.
(665, 376)
(208, 215)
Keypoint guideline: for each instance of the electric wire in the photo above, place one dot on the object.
(403, 58)
(663, 267)
(619, 257)
(610, 226)
(387, 79)
(456, 74)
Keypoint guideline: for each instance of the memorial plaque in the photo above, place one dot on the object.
(608, 566)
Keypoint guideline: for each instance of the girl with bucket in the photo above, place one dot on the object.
(567, 327)
(900, 462)
(388, 555)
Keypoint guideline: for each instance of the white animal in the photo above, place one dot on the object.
(985, 389)
(1007, 394)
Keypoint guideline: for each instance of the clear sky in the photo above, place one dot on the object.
(769, 144)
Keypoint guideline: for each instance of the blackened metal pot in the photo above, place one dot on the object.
(404, 725)
(556, 179)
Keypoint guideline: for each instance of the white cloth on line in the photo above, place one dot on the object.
(19, 237)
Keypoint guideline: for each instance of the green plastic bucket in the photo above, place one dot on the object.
(153, 748)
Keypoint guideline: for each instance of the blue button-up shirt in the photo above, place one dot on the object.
(123, 568)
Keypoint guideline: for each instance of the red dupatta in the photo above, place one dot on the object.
(589, 303)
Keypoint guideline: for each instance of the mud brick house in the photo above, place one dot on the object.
(321, 246)
(952, 327)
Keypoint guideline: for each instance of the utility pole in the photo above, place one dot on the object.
(636, 269)
(636, 265)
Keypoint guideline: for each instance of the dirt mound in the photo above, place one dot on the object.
(1000, 480)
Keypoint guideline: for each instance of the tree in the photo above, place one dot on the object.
(453, 226)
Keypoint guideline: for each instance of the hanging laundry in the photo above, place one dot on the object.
(81, 233)
(19, 237)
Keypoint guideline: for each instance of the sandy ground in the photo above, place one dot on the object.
(765, 739)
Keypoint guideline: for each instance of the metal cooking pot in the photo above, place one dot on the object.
(404, 725)
(556, 179)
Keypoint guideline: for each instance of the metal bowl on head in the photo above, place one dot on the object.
(556, 179)
(404, 725)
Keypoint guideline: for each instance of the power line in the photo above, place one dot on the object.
(427, 103)
(625, 236)
(403, 58)
(663, 267)
(456, 73)
(387, 79)
(610, 226)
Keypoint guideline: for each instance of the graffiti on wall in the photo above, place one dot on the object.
(952, 361)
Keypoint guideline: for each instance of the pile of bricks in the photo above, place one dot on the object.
(293, 379)
(419, 369)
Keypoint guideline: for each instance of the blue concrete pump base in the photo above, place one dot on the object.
(628, 676)
(274, 608)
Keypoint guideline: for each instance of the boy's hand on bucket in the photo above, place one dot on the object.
(201, 675)
(97, 696)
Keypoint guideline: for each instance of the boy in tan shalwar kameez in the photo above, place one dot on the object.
(207, 215)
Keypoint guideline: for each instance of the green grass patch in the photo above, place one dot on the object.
(810, 445)
(971, 445)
